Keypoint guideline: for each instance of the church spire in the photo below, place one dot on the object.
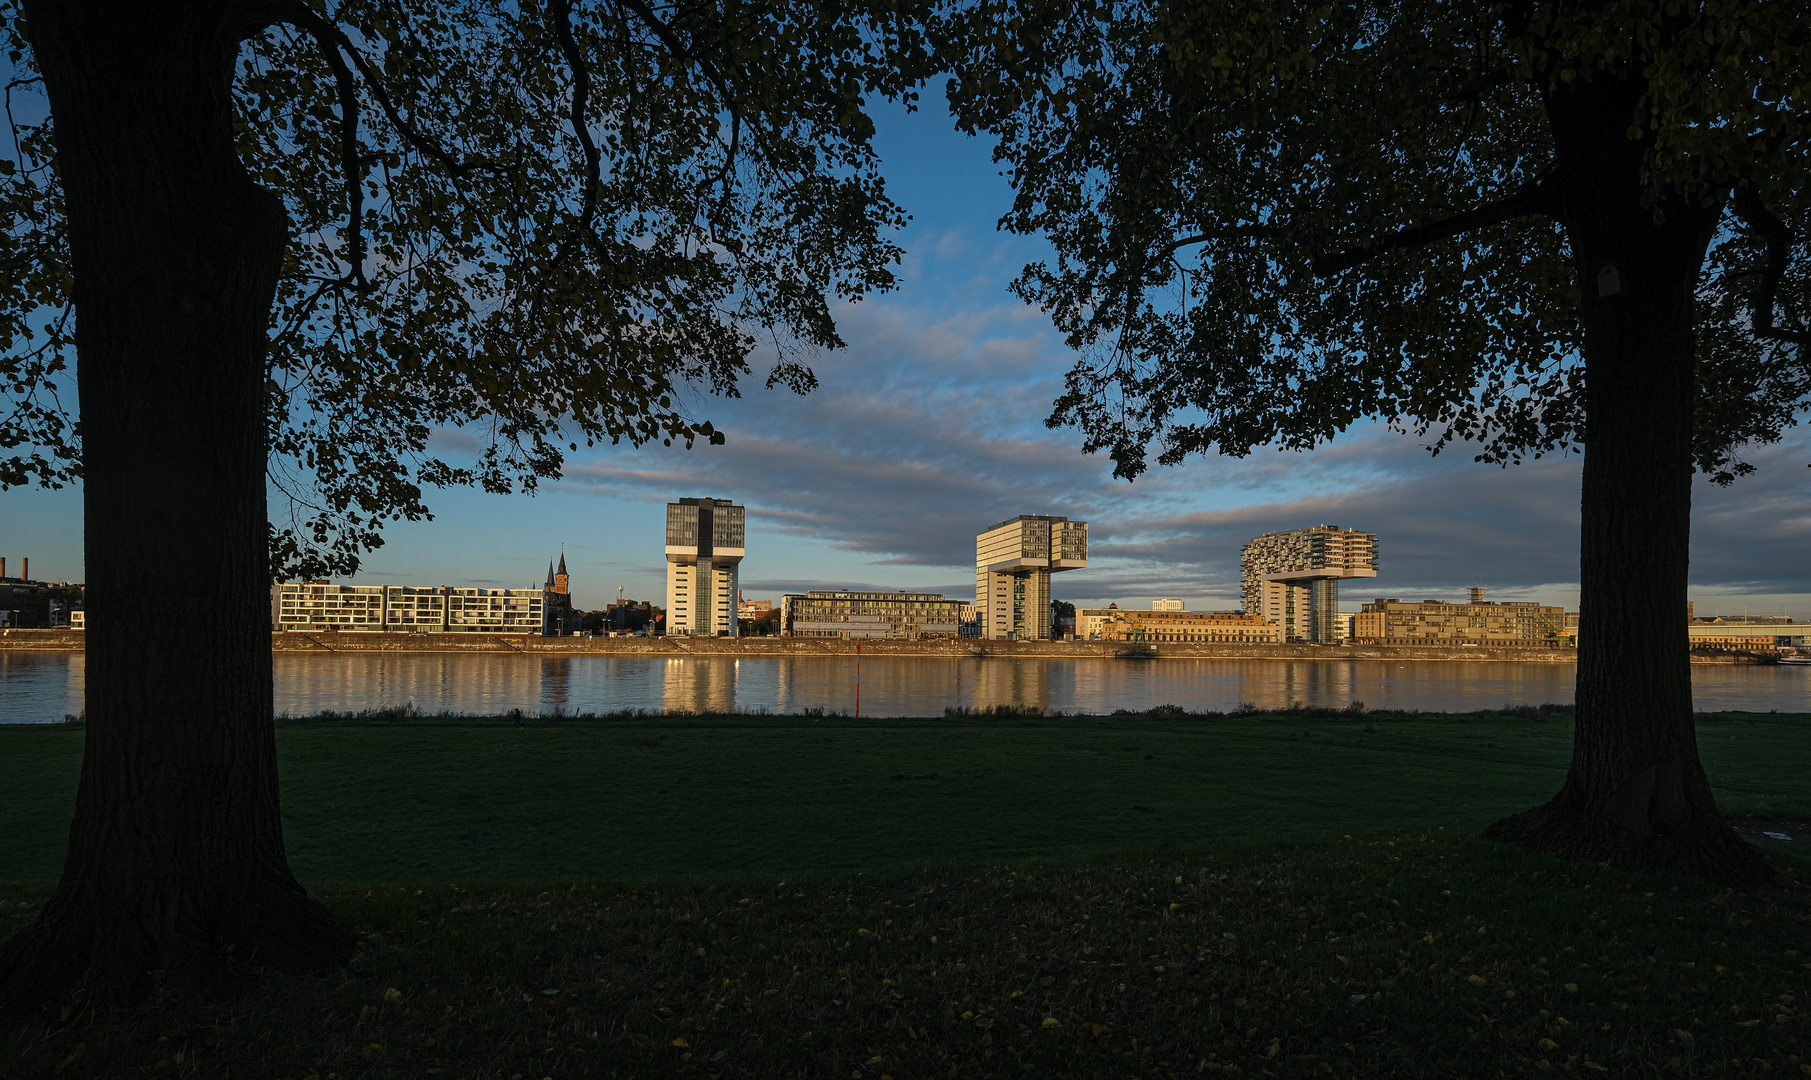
(562, 562)
(549, 584)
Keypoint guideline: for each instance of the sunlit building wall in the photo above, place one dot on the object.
(845, 614)
(1013, 564)
(705, 546)
(1292, 578)
(437, 609)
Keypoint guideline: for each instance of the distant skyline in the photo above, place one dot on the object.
(929, 427)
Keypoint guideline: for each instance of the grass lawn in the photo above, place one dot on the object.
(781, 897)
(664, 798)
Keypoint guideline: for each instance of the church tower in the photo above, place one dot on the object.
(561, 579)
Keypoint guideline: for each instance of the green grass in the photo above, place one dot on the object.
(1403, 953)
(652, 797)
(1303, 897)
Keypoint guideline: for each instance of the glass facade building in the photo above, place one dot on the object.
(845, 614)
(1013, 564)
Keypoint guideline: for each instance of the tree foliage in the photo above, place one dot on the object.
(1273, 218)
(528, 224)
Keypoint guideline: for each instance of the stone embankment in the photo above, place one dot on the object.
(71, 641)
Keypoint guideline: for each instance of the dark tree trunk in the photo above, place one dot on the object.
(176, 874)
(1636, 795)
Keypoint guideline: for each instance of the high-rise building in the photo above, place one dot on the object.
(705, 540)
(1013, 564)
(1292, 578)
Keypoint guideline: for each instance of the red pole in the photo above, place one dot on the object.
(858, 680)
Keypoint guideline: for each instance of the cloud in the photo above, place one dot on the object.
(929, 428)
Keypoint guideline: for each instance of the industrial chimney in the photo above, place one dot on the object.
(25, 568)
(2, 567)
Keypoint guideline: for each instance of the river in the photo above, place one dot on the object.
(44, 687)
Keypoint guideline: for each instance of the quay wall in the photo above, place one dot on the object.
(291, 642)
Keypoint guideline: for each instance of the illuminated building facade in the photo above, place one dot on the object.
(1013, 564)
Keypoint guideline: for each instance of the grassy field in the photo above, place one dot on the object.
(767, 897)
(666, 797)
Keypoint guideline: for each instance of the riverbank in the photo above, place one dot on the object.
(361, 642)
(71, 641)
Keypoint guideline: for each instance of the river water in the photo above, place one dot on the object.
(44, 687)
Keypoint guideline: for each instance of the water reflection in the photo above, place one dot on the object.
(42, 687)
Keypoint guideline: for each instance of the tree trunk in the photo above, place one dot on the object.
(176, 877)
(1636, 795)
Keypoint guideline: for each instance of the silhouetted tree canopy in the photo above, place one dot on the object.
(537, 224)
(1275, 218)
(1532, 225)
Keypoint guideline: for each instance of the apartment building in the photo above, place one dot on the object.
(1292, 578)
(434, 609)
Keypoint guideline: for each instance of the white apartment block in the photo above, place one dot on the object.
(437, 609)
(1013, 564)
(706, 541)
(1291, 579)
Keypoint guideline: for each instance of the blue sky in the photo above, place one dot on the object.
(929, 427)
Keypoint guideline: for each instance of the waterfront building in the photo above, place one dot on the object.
(1013, 564)
(1168, 605)
(705, 547)
(436, 609)
(1292, 578)
(845, 614)
(1113, 623)
(1389, 621)
(1764, 634)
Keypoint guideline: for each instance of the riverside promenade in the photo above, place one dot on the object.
(382, 642)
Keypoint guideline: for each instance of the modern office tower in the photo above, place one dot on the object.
(1013, 564)
(704, 558)
(1292, 578)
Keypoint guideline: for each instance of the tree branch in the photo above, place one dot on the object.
(1237, 231)
(1536, 197)
(581, 96)
(1780, 240)
(680, 51)
(334, 42)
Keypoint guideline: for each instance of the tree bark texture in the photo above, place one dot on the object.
(176, 877)
(1636, 795)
